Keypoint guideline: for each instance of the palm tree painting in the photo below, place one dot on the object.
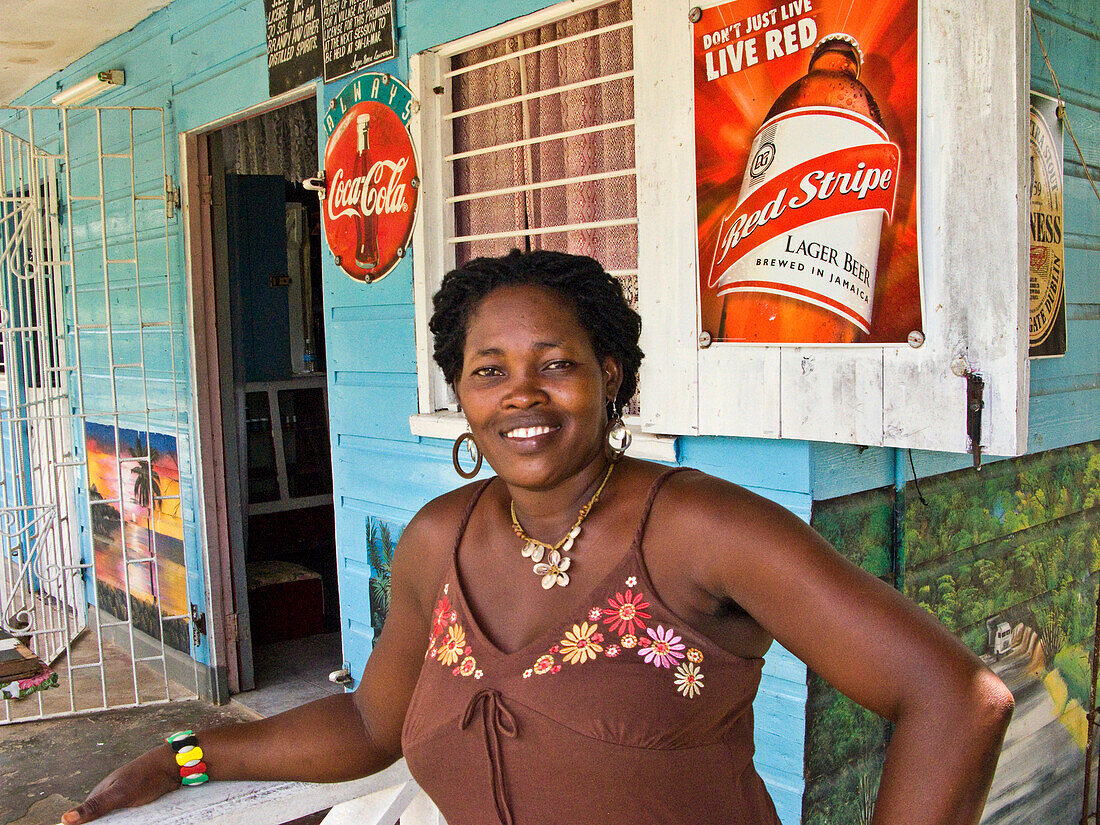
(380, 545)
(134, 498)
(146, 484)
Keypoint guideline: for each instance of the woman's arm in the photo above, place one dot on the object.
(332, 739)
(874, 645)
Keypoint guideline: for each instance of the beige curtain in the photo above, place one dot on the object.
(611, 150)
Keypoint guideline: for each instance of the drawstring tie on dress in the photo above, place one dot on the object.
(496, 719)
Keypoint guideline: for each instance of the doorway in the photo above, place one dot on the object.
(262, 375)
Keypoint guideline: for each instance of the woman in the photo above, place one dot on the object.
(594, 624)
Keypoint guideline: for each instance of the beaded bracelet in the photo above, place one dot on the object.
(188, 757)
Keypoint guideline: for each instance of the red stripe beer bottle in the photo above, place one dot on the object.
(810, 281)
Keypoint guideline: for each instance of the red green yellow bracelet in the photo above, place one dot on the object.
(188, 757)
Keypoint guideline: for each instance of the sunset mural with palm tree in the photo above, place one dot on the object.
(137, 529)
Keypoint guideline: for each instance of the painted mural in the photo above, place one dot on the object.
(845, 743)
(137, 529)
(381, 539)
(1008, 559)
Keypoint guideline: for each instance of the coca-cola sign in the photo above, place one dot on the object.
(371, 176)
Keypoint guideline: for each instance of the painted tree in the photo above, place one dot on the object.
(380, 555)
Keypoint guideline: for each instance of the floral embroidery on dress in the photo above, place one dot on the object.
(441, 616)
(664, 647)
(689, 681)
(448, 640)
(579, 646)
(453, 646)
(626, 613)
(625, 617)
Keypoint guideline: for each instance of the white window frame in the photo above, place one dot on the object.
(973, 136)
(438, 415)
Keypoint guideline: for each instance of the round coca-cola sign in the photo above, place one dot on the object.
(371, 176)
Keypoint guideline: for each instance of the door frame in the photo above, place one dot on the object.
(216, 426)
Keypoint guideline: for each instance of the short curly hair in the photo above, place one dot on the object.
(596, 296)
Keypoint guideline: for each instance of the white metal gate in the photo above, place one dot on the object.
(93, 577)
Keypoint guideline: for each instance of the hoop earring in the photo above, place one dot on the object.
(618, 437)
(471, 448)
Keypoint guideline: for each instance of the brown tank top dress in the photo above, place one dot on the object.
(623, 714)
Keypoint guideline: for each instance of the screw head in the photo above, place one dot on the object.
(695, 14)
(916, 339)
(705, 339)
(415, 183)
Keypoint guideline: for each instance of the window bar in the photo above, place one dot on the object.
(111, 364)
(172, 336)
(568, 87)
(546, 184)
(151, 535)
(584, 130)
(545, 230)
(43, 552)
(69, 261)
(541, 47)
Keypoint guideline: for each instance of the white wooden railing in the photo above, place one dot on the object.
(374, 800)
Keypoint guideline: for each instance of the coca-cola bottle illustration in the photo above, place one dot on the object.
(366, 225)
(821, 171)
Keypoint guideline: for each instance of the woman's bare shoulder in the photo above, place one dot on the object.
(427, 542)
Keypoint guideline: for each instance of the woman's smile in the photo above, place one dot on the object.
(528, 432)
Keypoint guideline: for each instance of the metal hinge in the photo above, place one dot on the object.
(975, 385)
(171, 196)
(198, 624)
(206, 189)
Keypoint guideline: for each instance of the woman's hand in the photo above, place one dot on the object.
(139, 782)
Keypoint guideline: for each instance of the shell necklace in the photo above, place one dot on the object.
(553, 569)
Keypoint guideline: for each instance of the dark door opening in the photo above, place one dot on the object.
(266, 233)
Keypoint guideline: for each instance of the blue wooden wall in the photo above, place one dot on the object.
(204, 60)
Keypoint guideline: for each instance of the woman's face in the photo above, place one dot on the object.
(532, 388)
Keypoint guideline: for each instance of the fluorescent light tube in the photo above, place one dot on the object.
(90, 87)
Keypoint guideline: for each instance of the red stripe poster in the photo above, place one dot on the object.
(806, 170)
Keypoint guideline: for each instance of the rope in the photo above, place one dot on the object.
(1062, 113)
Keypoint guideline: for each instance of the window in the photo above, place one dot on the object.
(573, 129)
(535, 124)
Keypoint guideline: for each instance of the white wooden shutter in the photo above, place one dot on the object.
(973, 169)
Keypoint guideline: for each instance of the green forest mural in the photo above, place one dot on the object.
(1007, 559)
